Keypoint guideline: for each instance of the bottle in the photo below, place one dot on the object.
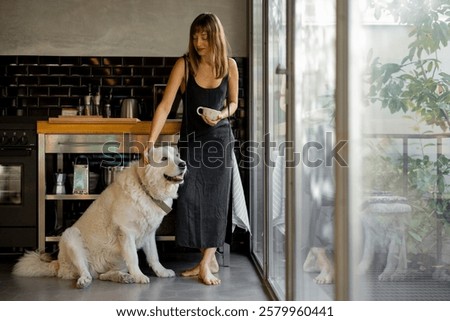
(97, 99)
(88, 103)
(107, 110)
(107, 106)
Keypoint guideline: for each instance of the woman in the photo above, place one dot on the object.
(206, 77)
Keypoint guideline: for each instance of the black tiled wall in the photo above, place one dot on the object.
(42, 85)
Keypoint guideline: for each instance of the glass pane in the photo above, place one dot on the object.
(257, 112)
(10, 184)
(400, 159)
(315, 36)
(277, 135)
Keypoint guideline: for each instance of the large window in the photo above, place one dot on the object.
(351, 199)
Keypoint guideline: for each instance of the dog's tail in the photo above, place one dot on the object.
(34, 264)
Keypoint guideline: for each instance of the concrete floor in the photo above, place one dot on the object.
(240, 282)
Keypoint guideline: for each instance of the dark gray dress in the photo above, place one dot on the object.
(204, 198)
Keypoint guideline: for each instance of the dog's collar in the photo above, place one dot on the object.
(161, 204)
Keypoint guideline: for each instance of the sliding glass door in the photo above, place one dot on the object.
(292, 189)
(313, 131)
(268, 194)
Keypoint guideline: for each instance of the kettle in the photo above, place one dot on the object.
(130, 108)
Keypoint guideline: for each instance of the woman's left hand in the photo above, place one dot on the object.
(212, 122)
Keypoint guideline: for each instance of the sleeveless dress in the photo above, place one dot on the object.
(204, 198)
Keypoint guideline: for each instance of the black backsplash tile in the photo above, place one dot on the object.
(59, 70)
(42, 85)
(69, 101)
(27, 80)
(17, 70)
(49, 101)
(121, 71)
(38, 91)
(49, 60)
(78, 91)
(69, 81)
(132, 61)
(28, 101)
(59, 91)
(80, 71)
(89, 61)
(49, 81)
(28, 60)
(153, 61)
(108, 61)
(8, 60)
(69, 61)
(101, 71)
(37, 70)
(19, 91)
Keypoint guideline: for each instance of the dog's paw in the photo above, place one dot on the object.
(141, 278)
(385, 276)
(362, 268)
(399, 276)
(440, 274)
(83, 282)
(126, 278)
(165, 273)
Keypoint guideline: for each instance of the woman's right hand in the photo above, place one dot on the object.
(145, 153)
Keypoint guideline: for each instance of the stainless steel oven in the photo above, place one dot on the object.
(18, 185)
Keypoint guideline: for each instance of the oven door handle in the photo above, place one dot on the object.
(108, 147)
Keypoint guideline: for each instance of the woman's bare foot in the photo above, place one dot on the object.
(207, 277)
(192, 272)
(195, 271)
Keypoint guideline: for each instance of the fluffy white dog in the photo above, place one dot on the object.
(103, 243)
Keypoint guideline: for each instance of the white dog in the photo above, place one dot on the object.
(103, 243)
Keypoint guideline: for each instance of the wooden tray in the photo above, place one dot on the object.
(91, 120)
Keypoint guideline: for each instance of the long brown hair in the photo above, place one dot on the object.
(210, 23)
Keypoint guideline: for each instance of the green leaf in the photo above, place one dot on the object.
(415, 236)
(441, 184)
(445, 76)
(404, 106)
(412, 51)
(413, 32)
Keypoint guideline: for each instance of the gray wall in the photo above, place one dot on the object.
(113, 27)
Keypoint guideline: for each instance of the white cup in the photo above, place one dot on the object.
(212, 114)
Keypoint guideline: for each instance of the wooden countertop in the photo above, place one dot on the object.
(106, 126)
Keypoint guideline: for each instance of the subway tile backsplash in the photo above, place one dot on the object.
(43, 85)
